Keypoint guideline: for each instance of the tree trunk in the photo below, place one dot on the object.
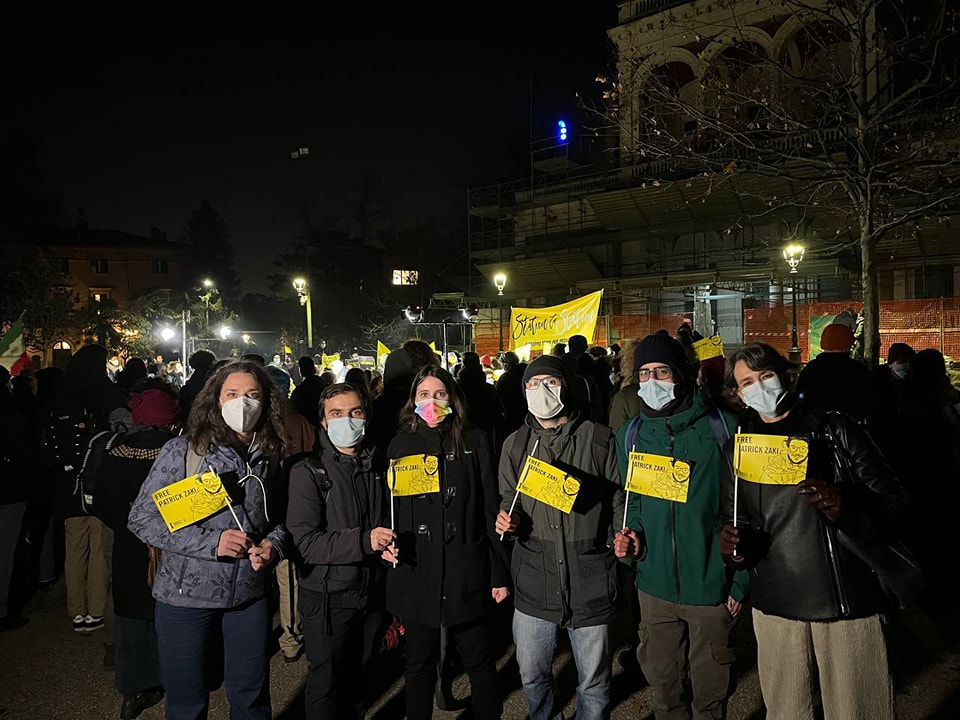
(871, 298)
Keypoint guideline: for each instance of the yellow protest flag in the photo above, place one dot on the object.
(189, 500)
(710, 347)
(771, 459)
(381, 350)
(433, 346)
(328, 360)
(557, 322)
(414, 475)
(550, 485)
(658, 476)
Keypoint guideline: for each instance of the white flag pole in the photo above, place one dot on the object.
(626, 486)
(229, 501)
(393, 486)
(516, 493)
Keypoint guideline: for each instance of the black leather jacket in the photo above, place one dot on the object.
(800, 567)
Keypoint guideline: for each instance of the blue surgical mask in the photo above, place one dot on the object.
(901, 370)
(656, 394)
(346, 432)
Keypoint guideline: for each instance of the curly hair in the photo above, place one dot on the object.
(409, 420)
(206, 426)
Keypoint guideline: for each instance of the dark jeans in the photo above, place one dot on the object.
(137, 658)
(336, 652)
(185, 637)
(423, 653)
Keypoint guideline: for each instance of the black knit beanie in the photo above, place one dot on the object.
(663, 349)
(547, 365)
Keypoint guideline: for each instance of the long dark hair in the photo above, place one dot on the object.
(206, 426)
(409, 420)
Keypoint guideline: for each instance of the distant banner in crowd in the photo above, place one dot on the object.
(190, 500)
(771, 459)
(710, 347)
(658, 476)
(414, 475)
(550, 485)
(558, 322)
(328, 360)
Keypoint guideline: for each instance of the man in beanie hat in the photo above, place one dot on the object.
(564, 563)
(687, 603)
(833, 380)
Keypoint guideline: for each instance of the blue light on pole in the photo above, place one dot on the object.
(562, 131)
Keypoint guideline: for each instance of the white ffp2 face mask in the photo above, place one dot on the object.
(764, 396)
(656, 394)
(544, 402)
(241, 414)
(346, 432)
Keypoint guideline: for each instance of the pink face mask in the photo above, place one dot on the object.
(433, 411)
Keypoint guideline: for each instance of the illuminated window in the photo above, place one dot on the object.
(61, 345)
(406, 277)
(100, 295)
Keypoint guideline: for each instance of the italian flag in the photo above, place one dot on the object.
(13, 354)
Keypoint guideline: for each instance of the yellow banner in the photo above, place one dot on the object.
(382, 352)
(550, 485)
(189, 500)
(558, 322)
(328, 360)
(771, 459)
(710, 347)
(658, 476)
(415, 475)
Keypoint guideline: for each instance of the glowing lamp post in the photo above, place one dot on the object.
(303, 292)
(793, 254)
(500, 280)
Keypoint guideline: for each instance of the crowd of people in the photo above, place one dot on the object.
(382, 510)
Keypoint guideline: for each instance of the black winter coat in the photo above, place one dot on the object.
(450, 554)
(799, 568)
(332, 534)
(122, 472)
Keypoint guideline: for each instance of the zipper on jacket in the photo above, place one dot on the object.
(835, 567)
(183, 571)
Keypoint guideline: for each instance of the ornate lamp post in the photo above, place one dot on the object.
(793, 254)
(500, 280)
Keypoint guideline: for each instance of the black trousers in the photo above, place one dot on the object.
(336, 653)
(423, 653)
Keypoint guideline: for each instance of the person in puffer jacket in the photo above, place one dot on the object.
(211, 582)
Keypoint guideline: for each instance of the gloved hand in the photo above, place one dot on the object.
(826, 498)
(729, 539)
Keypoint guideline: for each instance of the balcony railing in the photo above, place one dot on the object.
(635, 9)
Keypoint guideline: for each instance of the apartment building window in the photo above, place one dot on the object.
(100, 267)
(159, 267)
(60, 265)
(100, 295)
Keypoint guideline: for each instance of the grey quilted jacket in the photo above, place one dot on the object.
(189, 573)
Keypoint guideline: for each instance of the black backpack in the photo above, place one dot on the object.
(74, 450)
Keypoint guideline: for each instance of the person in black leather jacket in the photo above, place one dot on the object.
(816, 604)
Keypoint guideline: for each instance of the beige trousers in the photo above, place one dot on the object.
(291, 641)
(849, 656)
(86, 566)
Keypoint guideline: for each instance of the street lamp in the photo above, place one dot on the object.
(793, 254)
(500, 280)
(167, 334)
(303, 292)
(211, 288)
(225, 331)
(246, 338)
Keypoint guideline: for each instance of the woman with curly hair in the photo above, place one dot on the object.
(213, 575)
(450, 567)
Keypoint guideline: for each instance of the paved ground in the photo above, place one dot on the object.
(48, 672)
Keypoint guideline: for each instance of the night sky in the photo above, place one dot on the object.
(139, 112)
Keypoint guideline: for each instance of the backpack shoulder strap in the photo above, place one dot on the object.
(601, 446)
(193, 461)
(518, 450)
(633, 429)
(315, 467)
(718, 424)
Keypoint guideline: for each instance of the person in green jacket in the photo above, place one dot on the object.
(688, 599)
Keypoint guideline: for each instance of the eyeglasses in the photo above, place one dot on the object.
(551, 382)
(661, 373)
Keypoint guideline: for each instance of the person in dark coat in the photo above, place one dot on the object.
(156, 409)
(201, 362)
(510, 391)
(306, 395)
(134, 370)
(450, 567)
(833, 380)
(397, 375)
(483, 404)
